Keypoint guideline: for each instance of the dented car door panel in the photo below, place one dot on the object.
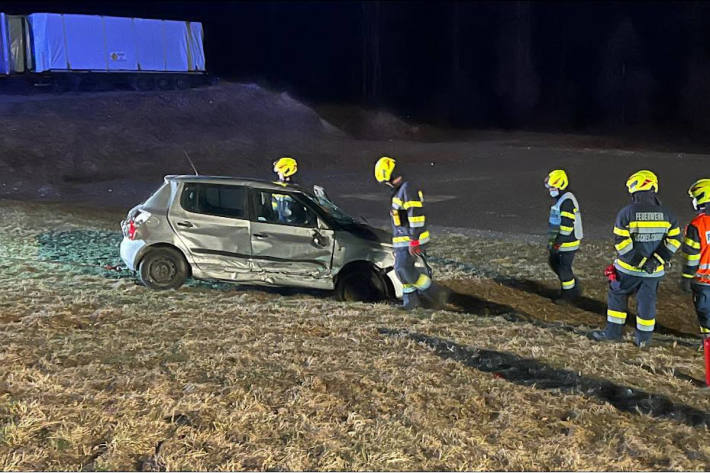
(287, 245)
(220, 245)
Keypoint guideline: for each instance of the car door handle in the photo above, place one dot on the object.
(185, 224)
(319, 240)
(261, 235)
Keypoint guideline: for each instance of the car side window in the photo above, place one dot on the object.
(214, 199)
(283, 209)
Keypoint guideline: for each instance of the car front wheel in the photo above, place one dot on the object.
(163, 268)
(360, 285)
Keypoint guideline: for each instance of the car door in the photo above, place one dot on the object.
(212, 221)
(286, 239)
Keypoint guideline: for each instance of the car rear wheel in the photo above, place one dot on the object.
(163, 268)
(360, 285)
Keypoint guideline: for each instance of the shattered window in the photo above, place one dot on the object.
(274, 207)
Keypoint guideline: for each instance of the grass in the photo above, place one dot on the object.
(99, 373)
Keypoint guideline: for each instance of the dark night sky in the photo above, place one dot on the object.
(561, 65)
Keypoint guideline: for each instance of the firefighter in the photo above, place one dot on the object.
(409, 236)
(285, 168)
(696, 253)
(646, 236)
(283, 205)
(564, 234)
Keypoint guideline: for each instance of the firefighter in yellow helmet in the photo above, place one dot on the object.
(646, 235)
(283, 205)
(696, 254)
(409, 236)
(285, 168)
(564, 233)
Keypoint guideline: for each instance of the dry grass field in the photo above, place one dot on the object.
(99, 373)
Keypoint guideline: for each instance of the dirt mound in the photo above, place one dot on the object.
(50, 142)
(373, 124)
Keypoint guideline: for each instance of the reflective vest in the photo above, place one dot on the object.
(696, 250)
(565, 224)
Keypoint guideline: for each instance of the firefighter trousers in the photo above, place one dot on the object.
(413, 281)
(561, 264)
(701, 300)
(645, 289)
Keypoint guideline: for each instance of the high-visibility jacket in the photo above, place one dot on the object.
(283, 205)
(645, 230)
(408, 219)
(696, 250)
(565, 223)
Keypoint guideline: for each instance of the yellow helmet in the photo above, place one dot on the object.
(642, 181)
(558, 179)
(700, 191)
(286, 166)
(384, 168)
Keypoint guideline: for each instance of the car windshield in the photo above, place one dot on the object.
(335, 212)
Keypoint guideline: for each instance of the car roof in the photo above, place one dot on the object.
(237, 181)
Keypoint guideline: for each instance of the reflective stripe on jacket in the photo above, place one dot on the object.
(643, 231)
(565, 223)
(696, 250)
(408, 219)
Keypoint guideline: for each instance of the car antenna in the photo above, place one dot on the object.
(191, 163)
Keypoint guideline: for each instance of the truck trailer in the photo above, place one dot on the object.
(85, 52)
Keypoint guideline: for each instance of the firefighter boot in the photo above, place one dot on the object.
(642, 339)
(411, 301)
(612, 333)
(568, 296)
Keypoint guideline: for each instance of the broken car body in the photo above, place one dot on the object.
(234, 229)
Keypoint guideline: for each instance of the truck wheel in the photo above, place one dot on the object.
(182, 83)
(166, 83)
(163, 268)
(360, 285)
(145, 83)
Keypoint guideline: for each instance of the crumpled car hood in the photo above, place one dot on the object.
(367, 232)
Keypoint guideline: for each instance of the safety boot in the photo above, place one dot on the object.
(612, 333)
(567, 297)
(411, 301)
(642, 339)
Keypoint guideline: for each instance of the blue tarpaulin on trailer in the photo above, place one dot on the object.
(4, 46)
(103, 43)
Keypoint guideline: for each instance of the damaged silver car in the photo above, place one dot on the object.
(255, 232)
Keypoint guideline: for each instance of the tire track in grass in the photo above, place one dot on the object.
(470, 303)
(531, 372)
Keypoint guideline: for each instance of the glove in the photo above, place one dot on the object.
(685, 285)
(414, 248)
(612, 277)
(550, 243)
(651, 265)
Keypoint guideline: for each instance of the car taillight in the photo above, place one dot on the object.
(131, 230)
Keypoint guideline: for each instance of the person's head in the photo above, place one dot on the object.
(700, 193)
(556, 181)
(285, 167)
(642, 181)
(384, 171)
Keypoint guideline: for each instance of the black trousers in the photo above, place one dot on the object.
(701, 299)
(645, 289)
(561, 264)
